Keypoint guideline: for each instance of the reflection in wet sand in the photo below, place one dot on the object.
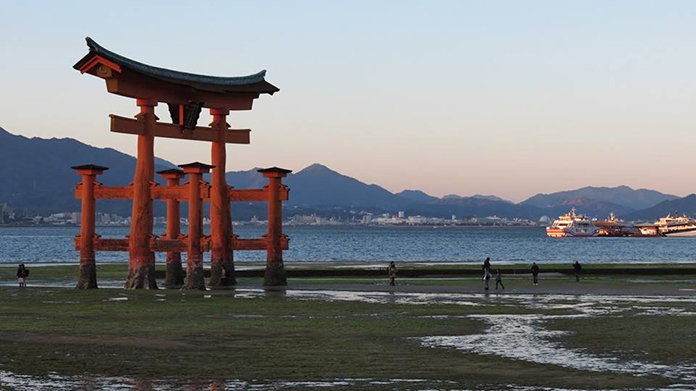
(57, 383)
(65, 383)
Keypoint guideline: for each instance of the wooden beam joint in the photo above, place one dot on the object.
(175, 131)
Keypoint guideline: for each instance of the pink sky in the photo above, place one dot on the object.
(501, 97)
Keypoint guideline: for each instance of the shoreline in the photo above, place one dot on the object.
(640, 280)
(405, 269)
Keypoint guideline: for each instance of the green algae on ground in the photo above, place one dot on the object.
(231, 334)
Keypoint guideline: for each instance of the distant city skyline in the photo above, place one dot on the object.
(503, 98)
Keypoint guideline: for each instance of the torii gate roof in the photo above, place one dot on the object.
(108, 65)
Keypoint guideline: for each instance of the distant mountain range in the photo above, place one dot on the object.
(38, 179)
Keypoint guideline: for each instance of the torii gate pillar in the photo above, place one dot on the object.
(194, 263)
(221, 258)
(174, 274)
(141, 265)
(275, 270)
(87, 277)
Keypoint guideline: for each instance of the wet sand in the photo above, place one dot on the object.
(548, 284)
(532, 334)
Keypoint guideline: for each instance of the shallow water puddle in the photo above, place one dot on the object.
(523, 337)
(591, 305)
(365, 297)
(660, 311)
(387, 297)
(66, 383)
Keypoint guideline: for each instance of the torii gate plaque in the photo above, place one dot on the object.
(186, 94)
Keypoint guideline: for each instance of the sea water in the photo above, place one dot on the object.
(378, 244)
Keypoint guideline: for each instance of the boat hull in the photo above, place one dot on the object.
(561, 233)
(691, 232)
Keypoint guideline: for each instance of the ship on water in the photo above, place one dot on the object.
(614, 226)
(572, 224)
(670, 225)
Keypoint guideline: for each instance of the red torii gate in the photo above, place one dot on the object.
(186, 94)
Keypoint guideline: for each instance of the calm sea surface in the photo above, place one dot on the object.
(380, 244)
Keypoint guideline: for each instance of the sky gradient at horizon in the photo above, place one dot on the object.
(507, 98)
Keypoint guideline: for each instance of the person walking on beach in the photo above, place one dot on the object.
(392, 273)
(498, 279)
(486, 266)
(576, 269)
(486, 278)
(486, 272)
(535, 273)
(22, 274)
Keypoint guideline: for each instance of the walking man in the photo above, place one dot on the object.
(486, 272)
(535, 273)
(576, 269)
(486, 279)
(392, 273)
(499, 279)
(486, 265)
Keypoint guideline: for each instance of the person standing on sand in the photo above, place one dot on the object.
(498, 279)
(22, 274)
(576, 269)
(535, 273)
(392, 273)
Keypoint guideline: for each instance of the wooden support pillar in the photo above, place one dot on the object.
(275, 271)
(194, 264)
(87, 275)
(174, 273)
(141, 264)
(221, 256)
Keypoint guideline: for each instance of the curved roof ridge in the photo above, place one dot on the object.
(172, 74)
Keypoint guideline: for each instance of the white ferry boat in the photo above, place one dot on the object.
(676, 225)
(571, 224)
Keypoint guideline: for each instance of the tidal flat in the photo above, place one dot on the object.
(604, 333)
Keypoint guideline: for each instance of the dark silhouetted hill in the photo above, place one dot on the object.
(417, 196)
(587, 206)
(38, 177)
(318, 185)
(250, 179)
(621, 195)
(686, 205)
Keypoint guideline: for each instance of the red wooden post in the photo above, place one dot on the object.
(174, 275)
(275, 271)
(87, 275)
(194, 265)
(141, 265)
(221, 256)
